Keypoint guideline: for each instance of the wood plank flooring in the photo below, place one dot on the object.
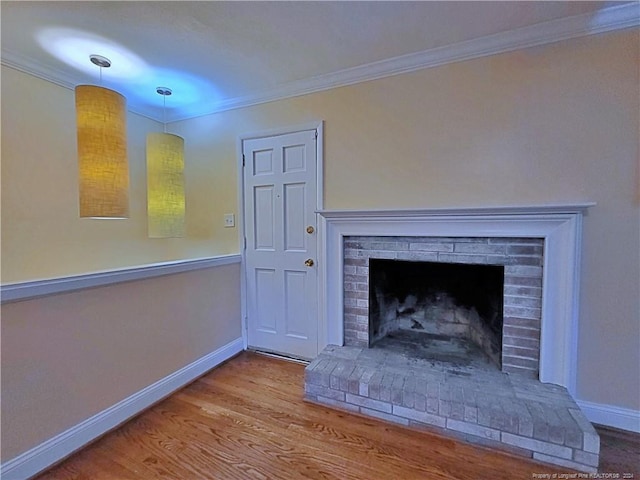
(246, 420)
(619, 451)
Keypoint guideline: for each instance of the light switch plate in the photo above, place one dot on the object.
(229, 220)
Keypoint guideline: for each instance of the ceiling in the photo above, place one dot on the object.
(221, 55)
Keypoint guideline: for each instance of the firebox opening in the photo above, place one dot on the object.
(447, 309)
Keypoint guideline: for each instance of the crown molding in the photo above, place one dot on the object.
(610, 19)
(58, 77)
(27, 65)
(606, 20)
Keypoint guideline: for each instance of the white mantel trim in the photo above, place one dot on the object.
(559, 225)
(464, 211)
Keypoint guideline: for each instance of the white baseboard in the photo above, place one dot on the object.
(611, 416)
(55, 449)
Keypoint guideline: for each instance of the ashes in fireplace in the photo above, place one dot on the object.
(448, 311)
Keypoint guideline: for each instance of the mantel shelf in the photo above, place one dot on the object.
(569, 208)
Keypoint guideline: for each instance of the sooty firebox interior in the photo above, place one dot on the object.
(447, 309)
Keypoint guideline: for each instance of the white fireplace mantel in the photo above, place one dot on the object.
(559, 225)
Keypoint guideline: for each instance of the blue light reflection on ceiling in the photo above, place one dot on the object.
(190, 95)
(131, 76)
(75, 46)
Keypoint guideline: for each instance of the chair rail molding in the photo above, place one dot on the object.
(14, 292)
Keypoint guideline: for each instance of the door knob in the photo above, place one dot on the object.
(310, 230)
(308, 262)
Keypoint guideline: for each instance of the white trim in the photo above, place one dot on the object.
(27, 65)
(320, 226)
(608, 19)
(13, 292)
(320, 229)
(605, 20)
(276, 131)
(61, 446)
(320, 165)
(460, 211)
(610, 415)
(241, 241)
(559, 225)
(318, 126)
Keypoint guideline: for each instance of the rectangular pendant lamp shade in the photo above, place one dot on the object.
(102, 152)
(165, 185)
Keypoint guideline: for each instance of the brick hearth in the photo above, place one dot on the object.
(479, 405)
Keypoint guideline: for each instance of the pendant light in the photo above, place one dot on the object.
(102, 149)
(165, 180)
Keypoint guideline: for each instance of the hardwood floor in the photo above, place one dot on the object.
(247, 420)
(619, 451)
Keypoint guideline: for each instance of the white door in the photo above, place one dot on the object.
(281, 243)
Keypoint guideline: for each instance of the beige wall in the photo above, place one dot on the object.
(42, 234)
(68, 357)
(552, 124)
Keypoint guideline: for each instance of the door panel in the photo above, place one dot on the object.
(294, 216)
(294, 158)
(280, 203)
(264, 217)
(265, 295)
(295, 314)
(263, 162)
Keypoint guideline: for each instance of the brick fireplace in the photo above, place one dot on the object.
(524, 402)
(559, 227)
(521, 259)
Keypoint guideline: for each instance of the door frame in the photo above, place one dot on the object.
(319, 127)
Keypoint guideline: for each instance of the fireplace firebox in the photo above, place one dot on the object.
(437, 304)
(508, 294)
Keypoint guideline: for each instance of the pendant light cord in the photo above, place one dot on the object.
(164, 112)
(164, 91)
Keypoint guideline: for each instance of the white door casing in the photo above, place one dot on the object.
(280, 202)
